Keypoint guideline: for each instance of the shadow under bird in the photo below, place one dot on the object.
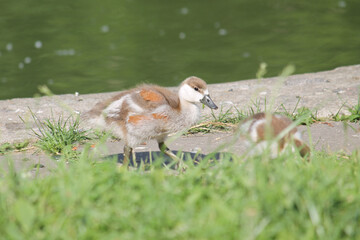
(151, 112)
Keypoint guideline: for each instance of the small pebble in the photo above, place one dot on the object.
(227, 102)
(39, 165)
(195, 150)
(244, 88)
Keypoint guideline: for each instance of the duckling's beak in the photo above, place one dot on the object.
(208, 102)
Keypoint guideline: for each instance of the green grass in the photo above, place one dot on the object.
(56, 135)
(303, 114)
(226, 120)
(19, 146)
(257, 198)
(354, 111)
(284, 198)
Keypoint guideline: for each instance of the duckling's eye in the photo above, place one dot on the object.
(196, 89)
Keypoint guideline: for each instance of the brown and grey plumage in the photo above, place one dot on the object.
(262, 128)
(151, 112)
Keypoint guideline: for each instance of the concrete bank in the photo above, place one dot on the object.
(325, 92)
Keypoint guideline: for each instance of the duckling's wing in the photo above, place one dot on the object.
(140, 101)
(149, 98)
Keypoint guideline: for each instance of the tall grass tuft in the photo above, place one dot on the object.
(306, 116)
(54, 135)
(354, 112)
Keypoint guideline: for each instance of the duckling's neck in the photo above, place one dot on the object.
(190, 112)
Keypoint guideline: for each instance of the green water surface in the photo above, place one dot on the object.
(90, 46)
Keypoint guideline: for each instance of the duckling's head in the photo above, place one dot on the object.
(194, 90)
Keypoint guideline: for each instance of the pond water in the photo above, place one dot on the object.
(90, 46)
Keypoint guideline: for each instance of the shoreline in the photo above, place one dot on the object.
(325, 92)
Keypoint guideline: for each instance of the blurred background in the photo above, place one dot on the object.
(90, 46)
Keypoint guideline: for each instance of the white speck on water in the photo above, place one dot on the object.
(342, 4)
(246, 55)
(76, 94)
(21, 65)
(9, 47)
(50, 81)
(105, 28)
(38, 44)
(216, 24)
(222, 32)
(71, 52)
(27, 60)
(182, 35)
(162, 32)
(65, 52)
(184, 11)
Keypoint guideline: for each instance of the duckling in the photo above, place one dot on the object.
(264, 127)
(151, 112)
